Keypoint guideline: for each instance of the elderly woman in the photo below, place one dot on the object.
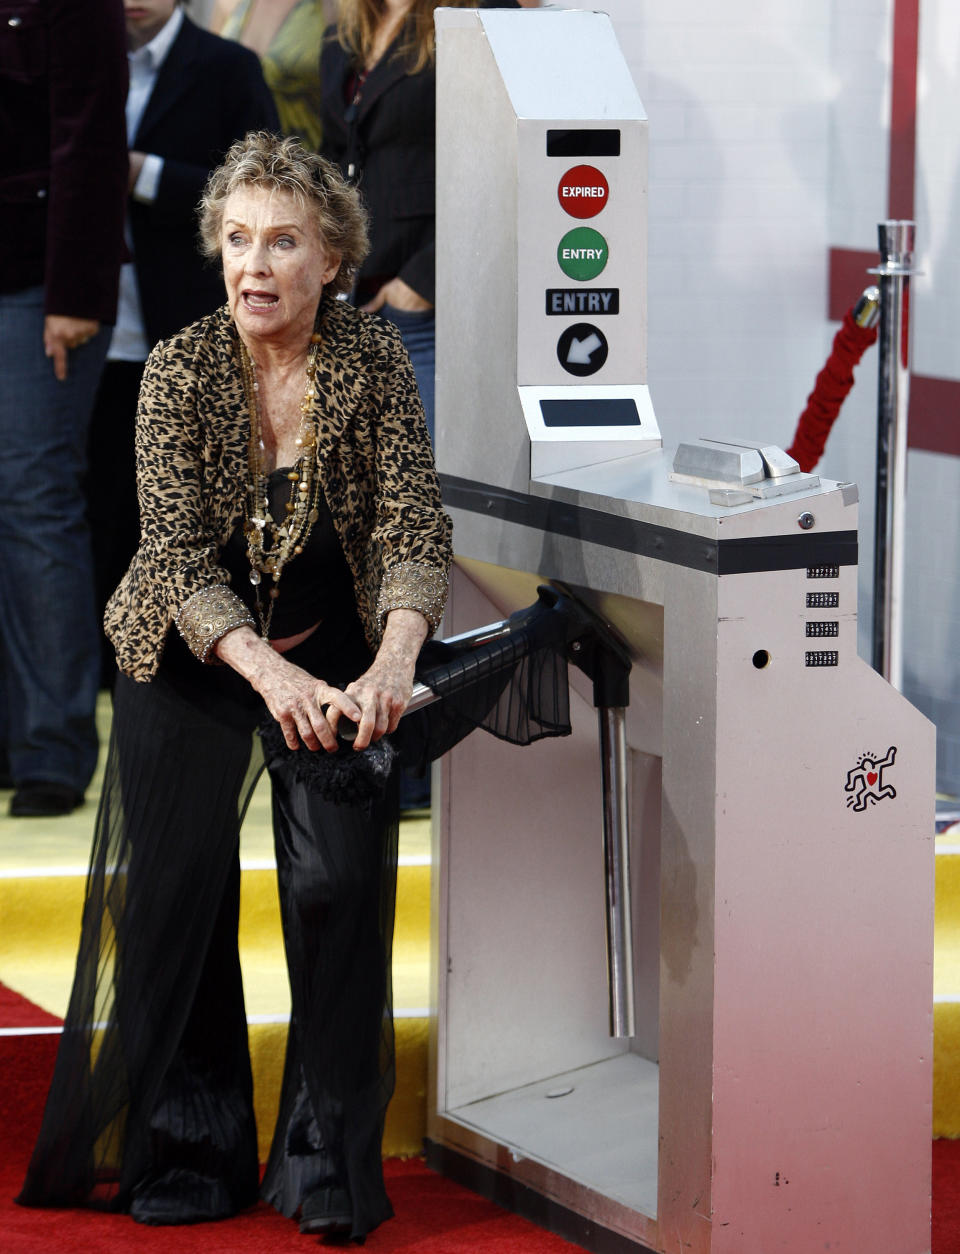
(293, 560)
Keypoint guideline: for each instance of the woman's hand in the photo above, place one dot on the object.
(398, 294)
(382, 692)
(294, 697)
(308, 709)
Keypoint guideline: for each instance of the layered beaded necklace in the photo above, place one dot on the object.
(270, 543)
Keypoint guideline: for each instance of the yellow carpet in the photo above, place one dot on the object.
(43, 865)
(946, 988)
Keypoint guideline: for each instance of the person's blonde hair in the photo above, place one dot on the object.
(261, 159)
(359, 19)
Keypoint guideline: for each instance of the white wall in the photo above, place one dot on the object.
(860, 59)
(769, 138)
(932, 625)
(744, 101)
(938, 190)
(737, 97)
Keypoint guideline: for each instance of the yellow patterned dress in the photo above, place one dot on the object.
(291, 66)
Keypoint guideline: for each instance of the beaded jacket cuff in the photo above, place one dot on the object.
(209, 614)
(414, 586)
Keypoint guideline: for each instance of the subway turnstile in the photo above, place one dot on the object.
(774, 1093)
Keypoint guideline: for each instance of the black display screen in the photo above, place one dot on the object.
(618, 411)
(593, 143)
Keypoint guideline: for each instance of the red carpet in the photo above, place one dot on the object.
(17, 1012)
(946, 1197)
(434, 1216)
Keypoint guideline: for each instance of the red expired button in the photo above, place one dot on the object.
(583, 191)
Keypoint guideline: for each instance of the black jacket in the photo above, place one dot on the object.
(390, 140)
(63, 152)
(209, 92)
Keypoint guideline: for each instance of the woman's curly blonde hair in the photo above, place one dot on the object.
(261, 159)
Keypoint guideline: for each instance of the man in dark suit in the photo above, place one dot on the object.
(191, 95)
(63, 174)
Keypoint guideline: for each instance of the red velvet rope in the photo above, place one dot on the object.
(829, 392)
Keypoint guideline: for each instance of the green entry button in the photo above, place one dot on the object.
(582, 253)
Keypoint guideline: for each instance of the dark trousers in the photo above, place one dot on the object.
(48, 630)
(153, 1074)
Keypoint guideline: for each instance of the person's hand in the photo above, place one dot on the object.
(306, 708)
(294, 697)
(383, 691)
(398, 294)
(136, 165)
(61, 333)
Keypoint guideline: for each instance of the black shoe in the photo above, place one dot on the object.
(39, 799)
(326, 1212)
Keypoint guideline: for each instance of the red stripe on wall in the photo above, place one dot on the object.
(934, 420)
(903, 108)
(846, 278)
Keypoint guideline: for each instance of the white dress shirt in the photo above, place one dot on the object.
(129, 341)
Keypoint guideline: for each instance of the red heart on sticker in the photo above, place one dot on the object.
(871, 778)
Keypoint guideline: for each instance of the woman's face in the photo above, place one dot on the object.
(275, 265)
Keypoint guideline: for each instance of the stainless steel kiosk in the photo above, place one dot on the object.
(776, 1092)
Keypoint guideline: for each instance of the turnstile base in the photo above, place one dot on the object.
(602, 1134)
(527, 1202)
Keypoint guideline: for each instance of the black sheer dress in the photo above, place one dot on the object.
(150, 1109)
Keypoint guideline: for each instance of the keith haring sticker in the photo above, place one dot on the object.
(865, 781)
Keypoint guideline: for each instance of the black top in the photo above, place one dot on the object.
(315, 586)
(388, 138)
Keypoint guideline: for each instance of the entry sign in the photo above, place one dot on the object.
(583, 191)
(582, 349)
(583, 300)
(582, 253)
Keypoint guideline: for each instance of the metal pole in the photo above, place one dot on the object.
(896, 249)
(616, 864)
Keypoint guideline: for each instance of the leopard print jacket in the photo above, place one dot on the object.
(374, 459)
